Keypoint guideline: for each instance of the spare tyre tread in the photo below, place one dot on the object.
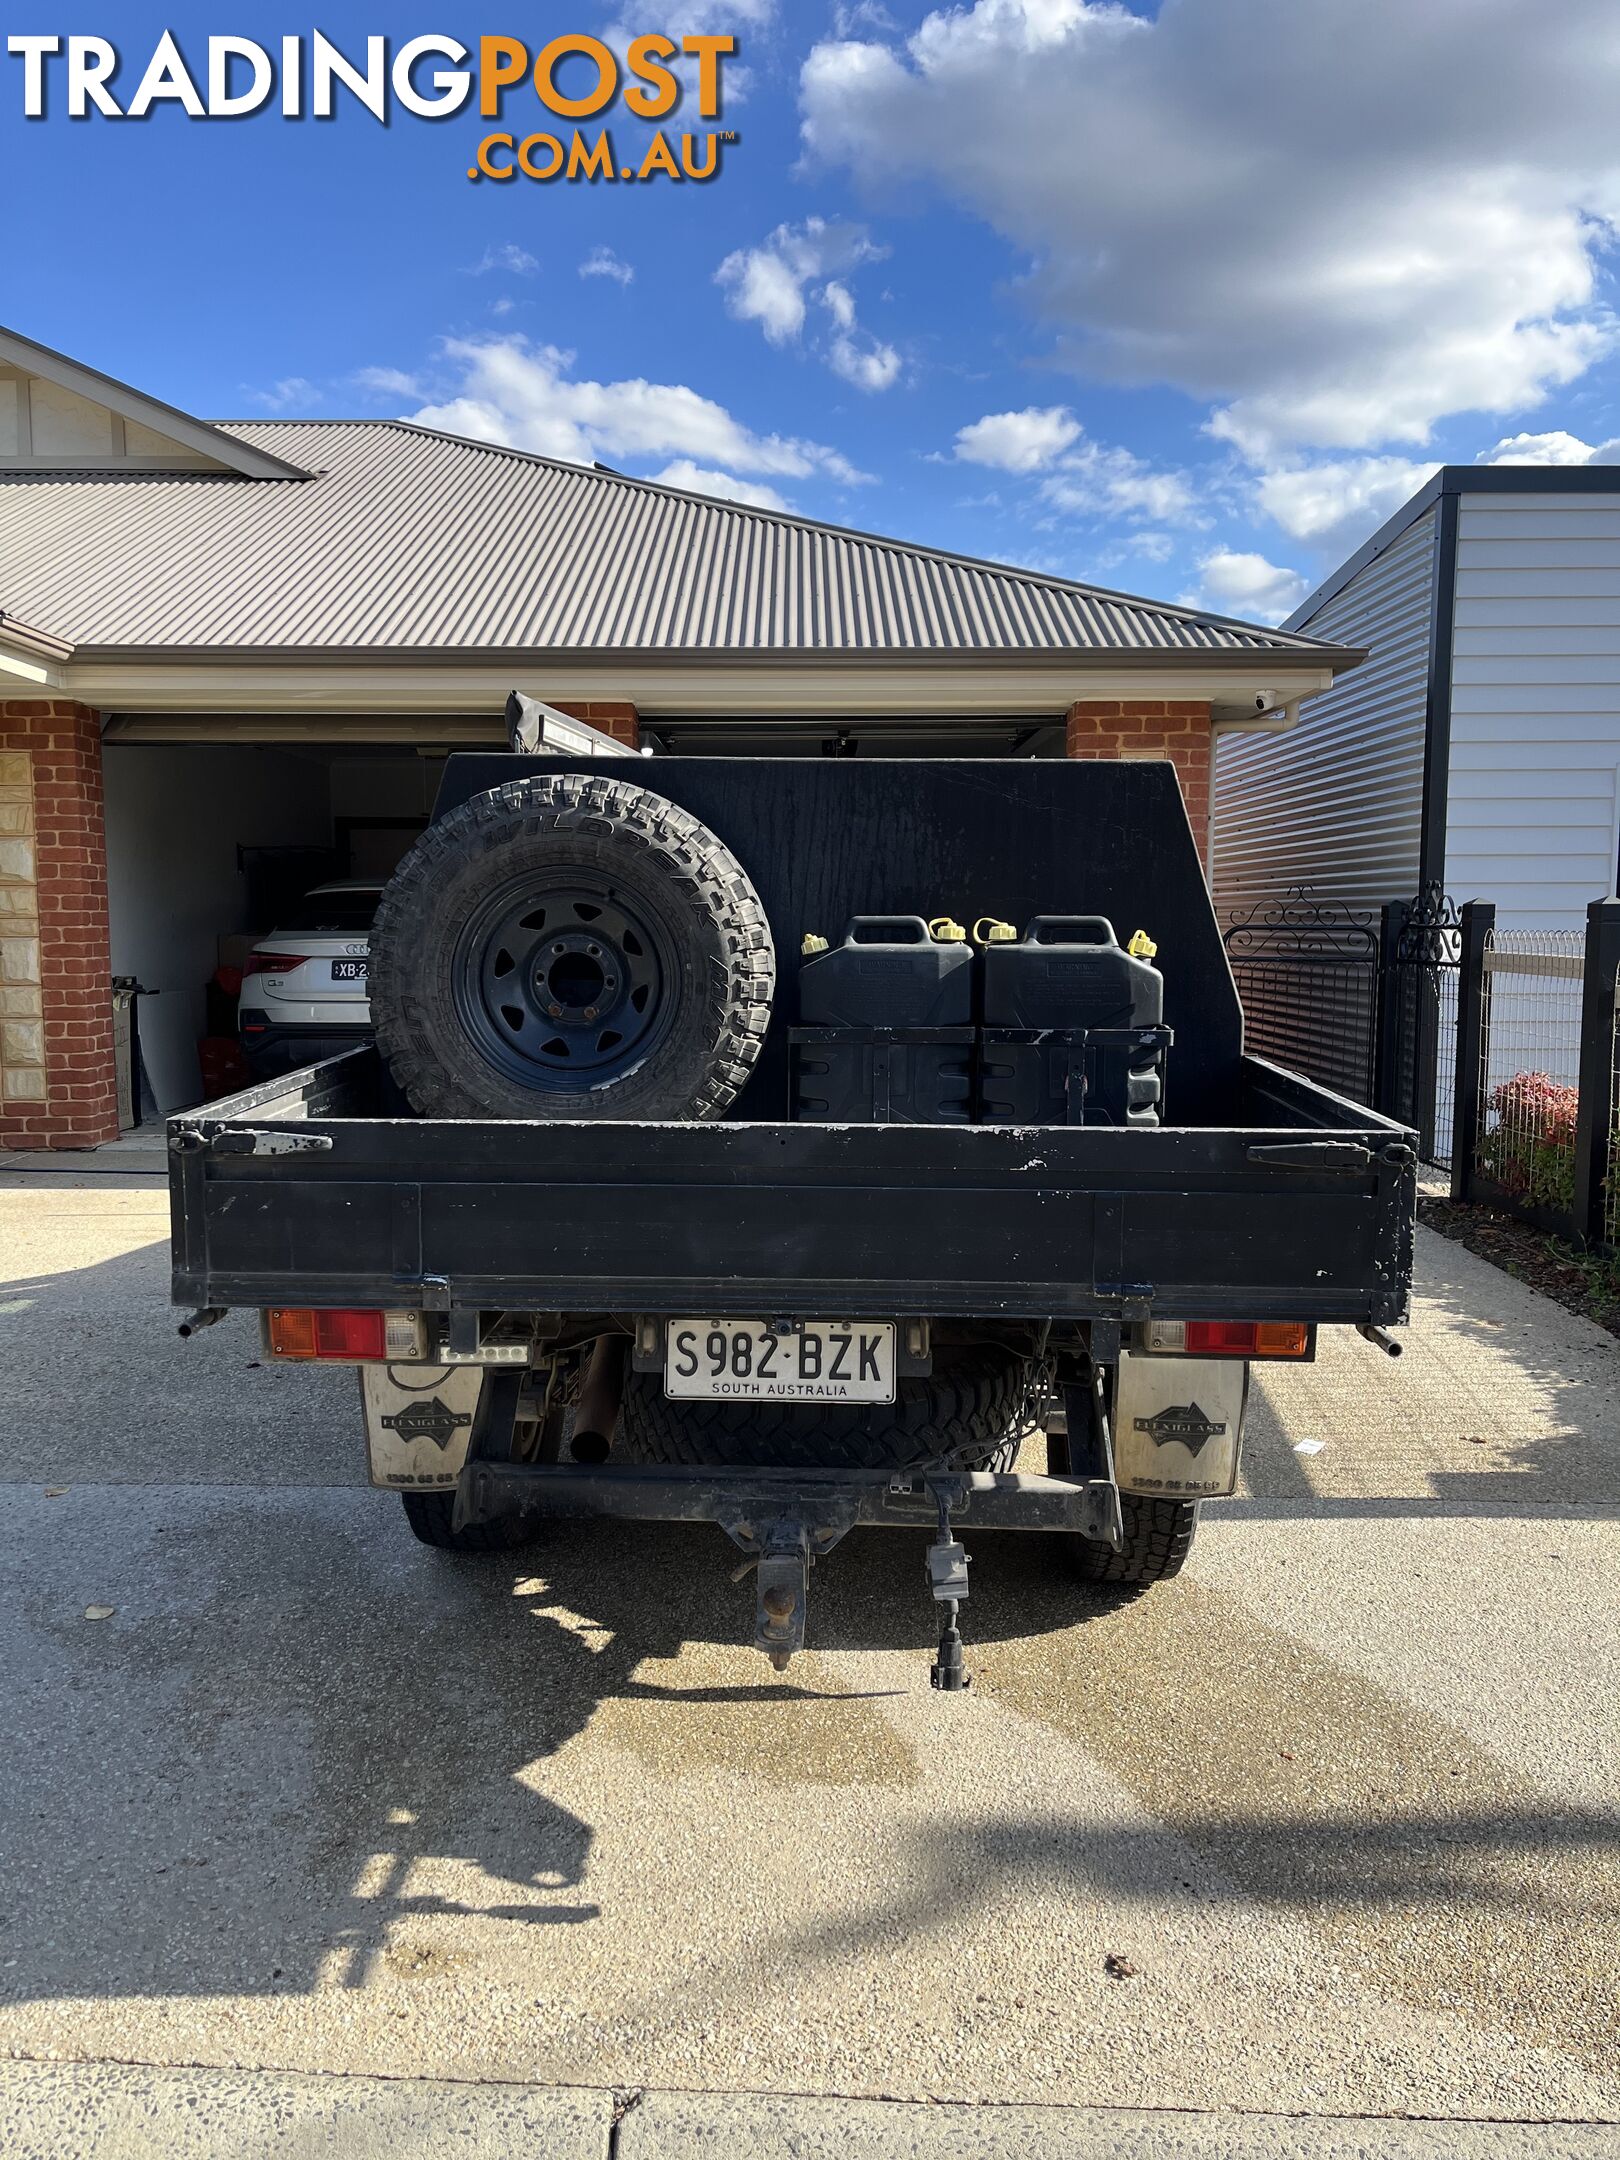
(964, 1410)
(709, 879)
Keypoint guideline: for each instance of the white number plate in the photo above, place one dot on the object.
(742, 1360)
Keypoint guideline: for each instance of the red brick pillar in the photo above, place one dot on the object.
(57, 1083)
(619, 720)
(1177, 729)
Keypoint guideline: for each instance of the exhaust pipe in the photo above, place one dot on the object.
(1378, 1339)
(600, 1392)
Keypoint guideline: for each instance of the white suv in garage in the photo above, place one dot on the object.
(304, 986)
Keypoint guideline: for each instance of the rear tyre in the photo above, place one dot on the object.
(431, 1514)
(570, 946)
(1158, 1533)
(965, 1411)
(1158, 1538)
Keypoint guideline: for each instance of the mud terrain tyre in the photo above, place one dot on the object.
(964, 1410)
(430, 1515)
(570, 946)
(1158, 1538)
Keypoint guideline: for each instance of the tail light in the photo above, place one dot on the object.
(297, 1331)
(1232, 1338)
(273, 963)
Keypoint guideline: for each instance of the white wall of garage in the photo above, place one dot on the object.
(175, 818)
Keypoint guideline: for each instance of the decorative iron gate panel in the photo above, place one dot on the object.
(1417, 1030)
(1307, 971)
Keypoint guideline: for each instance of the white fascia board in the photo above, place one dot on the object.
(26, 667)
(813, 686)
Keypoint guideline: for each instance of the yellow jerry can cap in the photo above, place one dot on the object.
(989, 930)
(812, 943)
(1141, 946)
(944, 931)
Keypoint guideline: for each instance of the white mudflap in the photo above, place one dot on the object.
(418, 1423)
(1177, 1424)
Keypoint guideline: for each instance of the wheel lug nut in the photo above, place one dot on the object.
(555, 1011)
(590, 1012)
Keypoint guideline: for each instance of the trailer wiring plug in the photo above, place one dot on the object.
(948, 1578)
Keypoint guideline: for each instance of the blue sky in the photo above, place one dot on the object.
(1183, 300)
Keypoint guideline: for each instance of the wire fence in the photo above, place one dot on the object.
(1530, 1051)
(1538, 1099)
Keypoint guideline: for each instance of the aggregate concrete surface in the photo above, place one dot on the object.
(314, 1799)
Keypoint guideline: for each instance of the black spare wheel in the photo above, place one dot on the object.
(570, 946)
(971, 1409)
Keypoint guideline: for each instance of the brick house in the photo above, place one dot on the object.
(231, 645)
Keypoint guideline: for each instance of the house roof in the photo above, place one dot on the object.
(227, 450)
(390, 540)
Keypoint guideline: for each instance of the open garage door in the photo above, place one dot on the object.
(212, 846)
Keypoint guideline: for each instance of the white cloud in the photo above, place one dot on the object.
(1336, 504)
(774, 284)
(388, 382)
(284, 395)
(766, 284)
(509, 391)
(1083, 478)
(1099, 479)
(1247, 585)
(1018, 442)
(704, 480)
(1324, 219)
(1553, 448)
(508, 257)
(602, 262)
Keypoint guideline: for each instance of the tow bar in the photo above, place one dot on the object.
(787, 1520)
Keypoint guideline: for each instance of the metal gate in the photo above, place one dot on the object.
(1307, 971)
(1417, 1021)
(1364, 1003)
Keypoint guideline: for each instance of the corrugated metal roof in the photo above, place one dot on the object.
(406, 540)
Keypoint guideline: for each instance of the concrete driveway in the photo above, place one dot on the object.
(315, 1799)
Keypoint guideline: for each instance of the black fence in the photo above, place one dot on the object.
(1363, 1002)
(1538, 1073)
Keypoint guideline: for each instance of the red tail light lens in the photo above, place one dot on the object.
(273, 963)
(300, 1332)
(1248, 1338)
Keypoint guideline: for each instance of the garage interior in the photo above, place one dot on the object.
(212, 831)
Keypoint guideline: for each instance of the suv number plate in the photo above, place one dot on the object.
(348, 970)
(745, 1360)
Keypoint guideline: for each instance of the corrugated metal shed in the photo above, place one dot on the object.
(1336, 803)
(409, 540)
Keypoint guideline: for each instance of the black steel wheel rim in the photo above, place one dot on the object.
(564, 985)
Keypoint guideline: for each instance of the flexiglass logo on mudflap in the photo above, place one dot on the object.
(434, 1421)
(573, 77)
(1183, 1422)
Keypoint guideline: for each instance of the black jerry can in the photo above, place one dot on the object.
(885, 1034)
(889, 972)
(1073, 1028)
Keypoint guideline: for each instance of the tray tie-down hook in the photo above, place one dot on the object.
(948, 1578)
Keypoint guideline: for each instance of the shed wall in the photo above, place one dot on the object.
(1335, 804)
(1534, 798)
